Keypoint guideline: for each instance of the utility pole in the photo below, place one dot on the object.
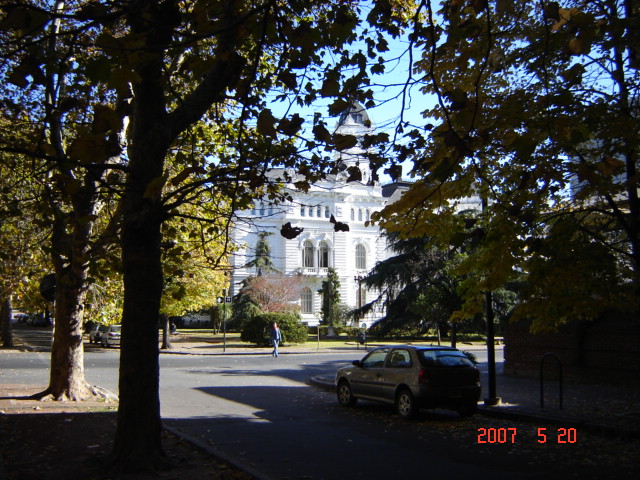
(492, 399)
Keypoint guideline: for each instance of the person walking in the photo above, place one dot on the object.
(276, 338)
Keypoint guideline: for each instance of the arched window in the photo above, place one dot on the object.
(302, 210)
(359, 214)
(368, 216)
(323, 255)
(306, 300)
(307, 254)
(353, 214)
(361, 257)
(311, 211)
(319, 211)
(326, 212)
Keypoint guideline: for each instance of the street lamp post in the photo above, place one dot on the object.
(223, 300)
(358, 279)
(362, 335)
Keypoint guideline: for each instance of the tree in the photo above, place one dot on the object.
(330, 292)
(194, 261)
(262, 261)
(22, 262)
(244, 308)
(172, 78)
(536, 112)
(45, 101)
(417, 285)
(274, 293)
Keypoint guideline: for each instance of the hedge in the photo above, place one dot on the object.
(258, 329)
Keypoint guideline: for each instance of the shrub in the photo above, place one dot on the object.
(258, 329)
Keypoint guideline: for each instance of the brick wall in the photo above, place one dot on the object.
(604, 350)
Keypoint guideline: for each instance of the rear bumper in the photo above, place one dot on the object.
(448, 396)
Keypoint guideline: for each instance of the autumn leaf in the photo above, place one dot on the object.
(266, 123)
(154, 187)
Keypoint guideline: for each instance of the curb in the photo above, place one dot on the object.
(214, 452)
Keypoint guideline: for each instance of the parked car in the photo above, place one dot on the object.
(111, 336)
(412, 377)
(96, 332)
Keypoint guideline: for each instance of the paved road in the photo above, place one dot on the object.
(260, 412)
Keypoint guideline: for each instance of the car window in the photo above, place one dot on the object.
(445, 358)
(399, 359)
(429, 357)
(452, 359)
(115, 329)
(375, 359)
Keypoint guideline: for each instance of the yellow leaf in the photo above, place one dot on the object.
(576, 46)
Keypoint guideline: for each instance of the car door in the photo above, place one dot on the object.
(367, 376)
(397, 371)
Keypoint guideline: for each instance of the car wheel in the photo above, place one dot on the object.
(406, 404)
(345, 396)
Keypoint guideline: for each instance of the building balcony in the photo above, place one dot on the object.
(314, 271)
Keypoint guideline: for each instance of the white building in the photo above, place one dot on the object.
(350, 253)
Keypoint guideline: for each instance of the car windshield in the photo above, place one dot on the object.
(445, 358)
(115, 329)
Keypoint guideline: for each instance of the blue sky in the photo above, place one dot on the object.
(391, 102)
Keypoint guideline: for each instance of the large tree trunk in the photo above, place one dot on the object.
(137, 442)
(67, 380)
(166, 332)
(7, 334)
(151, 132)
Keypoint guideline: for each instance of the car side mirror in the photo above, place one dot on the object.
(357, 363)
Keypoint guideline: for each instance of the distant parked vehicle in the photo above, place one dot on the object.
(96, 332)
(111, 336)
(412, 377)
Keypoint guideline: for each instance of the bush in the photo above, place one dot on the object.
(258, 329)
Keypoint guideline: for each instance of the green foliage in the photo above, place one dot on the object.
(417, 286)
(244, 309)
(257, 329)
(262, 261)
(193, 261)
(535, 114)
(332, 314)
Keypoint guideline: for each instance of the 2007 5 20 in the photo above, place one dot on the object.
(509, 435)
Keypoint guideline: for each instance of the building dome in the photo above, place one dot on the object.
(354, 121)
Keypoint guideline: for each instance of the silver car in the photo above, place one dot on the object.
(111, 336)
(412, 377)
(95, 333)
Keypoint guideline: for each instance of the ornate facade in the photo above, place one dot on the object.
(320, 246)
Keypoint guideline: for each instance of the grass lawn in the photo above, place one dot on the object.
(233, 339)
